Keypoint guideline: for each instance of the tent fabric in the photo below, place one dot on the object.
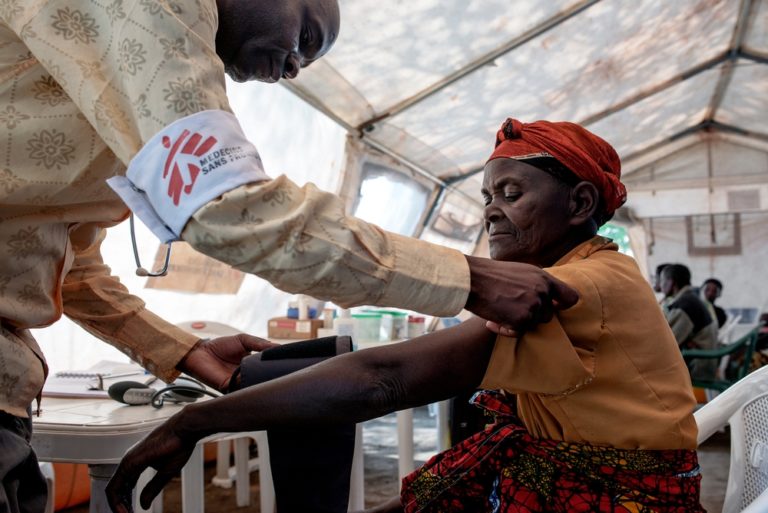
(429, 80)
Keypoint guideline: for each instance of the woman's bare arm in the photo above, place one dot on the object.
(353, 387)
(349, 388)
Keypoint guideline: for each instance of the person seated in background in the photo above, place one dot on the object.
(603, 396)
(689, 317)
(657, 284)
(710, 291)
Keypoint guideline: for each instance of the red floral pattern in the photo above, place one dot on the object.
(504, 469)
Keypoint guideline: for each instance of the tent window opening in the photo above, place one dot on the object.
(390, 199)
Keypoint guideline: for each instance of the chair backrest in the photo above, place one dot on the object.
(734, 360)
(759, 505)
(715, 414)
(745, 406)
(750, 342)
(748, 475)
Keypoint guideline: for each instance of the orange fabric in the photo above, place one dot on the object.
(72, 486)
(606, 371)
(586, 155)
(700, 394)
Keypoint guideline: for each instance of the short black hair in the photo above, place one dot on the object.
(679, 274)
(565, 176)
(660, 268)
(714, 281)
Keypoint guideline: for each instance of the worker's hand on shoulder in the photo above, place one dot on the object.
(513, 296)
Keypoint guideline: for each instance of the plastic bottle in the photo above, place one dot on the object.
(303, 308)
(344, 325)
(416, 326)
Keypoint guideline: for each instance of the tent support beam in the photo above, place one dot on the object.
(481, 61)
(752, 57)
(725, 57)
(463, 176)
(642, 95)
(747, 6)
(709, 125)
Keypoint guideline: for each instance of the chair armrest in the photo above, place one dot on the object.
(719, 352)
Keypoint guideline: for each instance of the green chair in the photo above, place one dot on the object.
(735, 360)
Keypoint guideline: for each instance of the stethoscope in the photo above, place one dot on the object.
(141, 271)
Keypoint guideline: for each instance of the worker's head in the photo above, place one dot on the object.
(547, 187)
(268, 40)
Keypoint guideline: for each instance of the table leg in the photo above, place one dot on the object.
(192, 485)
(100, 476)
(405, 463)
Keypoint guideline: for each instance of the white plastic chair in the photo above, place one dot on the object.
(239, 475)
(759, 505)
(745, 407)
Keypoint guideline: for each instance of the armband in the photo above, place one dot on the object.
(187, 164)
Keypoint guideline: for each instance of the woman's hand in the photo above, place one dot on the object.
(163, 450)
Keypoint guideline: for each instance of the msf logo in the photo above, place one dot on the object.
(183, 161)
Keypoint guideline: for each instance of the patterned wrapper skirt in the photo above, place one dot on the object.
(504, 469)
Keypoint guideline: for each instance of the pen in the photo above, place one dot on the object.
(100, 378)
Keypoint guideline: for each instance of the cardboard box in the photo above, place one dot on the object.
(283, 327)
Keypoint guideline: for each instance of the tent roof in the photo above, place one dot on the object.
(429, 81)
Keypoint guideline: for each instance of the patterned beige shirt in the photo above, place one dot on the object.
(83, 85)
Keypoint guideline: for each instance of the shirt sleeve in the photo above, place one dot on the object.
(131, 67)
(557, 357)
(100, 304)
(135, 67)
(301, 240)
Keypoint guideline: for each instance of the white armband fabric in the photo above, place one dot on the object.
(184, 166)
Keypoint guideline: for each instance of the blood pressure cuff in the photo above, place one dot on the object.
(311, 466)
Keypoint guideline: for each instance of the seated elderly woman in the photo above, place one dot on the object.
(603, 401)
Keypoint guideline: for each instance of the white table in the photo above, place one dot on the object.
(97, 432)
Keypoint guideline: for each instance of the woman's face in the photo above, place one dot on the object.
(527, 213)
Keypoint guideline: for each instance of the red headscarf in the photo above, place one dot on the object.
(586, 155)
